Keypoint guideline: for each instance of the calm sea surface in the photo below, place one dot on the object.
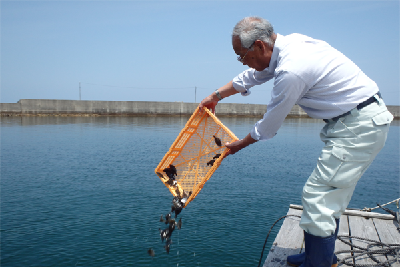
(83, 192)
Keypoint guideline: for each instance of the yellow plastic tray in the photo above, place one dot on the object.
(192, 152)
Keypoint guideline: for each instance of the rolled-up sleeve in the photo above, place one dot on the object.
(288, 89)
(249, 78)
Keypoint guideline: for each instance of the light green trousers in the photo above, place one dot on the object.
(351, 144)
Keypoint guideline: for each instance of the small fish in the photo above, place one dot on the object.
(172, 208)
(217, 156)
(179, 224)
(171, 175)
(176, 201)
(167, 232)
(211, 162)
(171, 228)
(167, 246)
(177, 206)
(172, 221)
(178, 192)
(217, 141)
(151, 252)
(167, 217)
(177, 211)
(171, 181)
(183, 200)
(171, 171)
(161, 218)
(164, 234)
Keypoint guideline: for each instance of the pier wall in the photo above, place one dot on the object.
(47, 107)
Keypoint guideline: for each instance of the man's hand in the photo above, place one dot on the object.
(209, 102)
(212, 100)
(240, 144)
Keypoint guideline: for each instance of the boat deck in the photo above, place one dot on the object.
(368, 225)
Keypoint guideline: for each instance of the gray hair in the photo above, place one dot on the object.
(251, 29)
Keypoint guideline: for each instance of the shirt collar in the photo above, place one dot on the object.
(275, 52)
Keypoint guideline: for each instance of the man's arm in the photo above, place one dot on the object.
(238, 145)
(212, 100)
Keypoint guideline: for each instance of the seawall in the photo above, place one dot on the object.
(49, 107)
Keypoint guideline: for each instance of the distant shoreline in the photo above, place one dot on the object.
(89, 108)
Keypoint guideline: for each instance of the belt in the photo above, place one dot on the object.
(370, 100)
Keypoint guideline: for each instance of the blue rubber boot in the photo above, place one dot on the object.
(319, 250)
(297, 259)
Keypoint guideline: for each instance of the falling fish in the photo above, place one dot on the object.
(217, 141)
(167, 246)
(172, 208)
(161, 218)
(176, 202)
(177, 211)
(167, 217)
(171, 221)
(171, 227)
(179, 224)
(177, 205)
(165, 234)
(151, 252)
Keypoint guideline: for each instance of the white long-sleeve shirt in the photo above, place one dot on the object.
(310, 73)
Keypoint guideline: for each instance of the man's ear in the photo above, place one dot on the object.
(260, 46)
(263, 47)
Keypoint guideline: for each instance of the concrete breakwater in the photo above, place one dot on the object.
(49, 107)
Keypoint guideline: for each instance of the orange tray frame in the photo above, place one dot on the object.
(192, 152)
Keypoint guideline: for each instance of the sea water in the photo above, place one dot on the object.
(81, 191)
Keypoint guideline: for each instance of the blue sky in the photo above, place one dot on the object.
(162, 50)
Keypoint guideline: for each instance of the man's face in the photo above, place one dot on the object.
(258, 58)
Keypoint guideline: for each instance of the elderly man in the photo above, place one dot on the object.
(328, 86)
